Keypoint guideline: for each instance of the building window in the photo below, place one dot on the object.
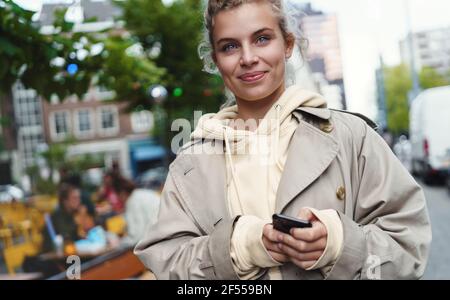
(84, 123)
(28, 116)
(109, 120)
(59, 125)
(142, 121)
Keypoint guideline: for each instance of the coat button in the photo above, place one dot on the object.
(326, 127)
(341, 193)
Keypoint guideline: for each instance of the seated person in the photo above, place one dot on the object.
(141, 209)
(71, 220)
(75, 180)
(113, 205)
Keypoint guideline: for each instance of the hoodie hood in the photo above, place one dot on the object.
(266, 148)
(217, 126)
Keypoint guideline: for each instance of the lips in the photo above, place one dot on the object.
(252, 77)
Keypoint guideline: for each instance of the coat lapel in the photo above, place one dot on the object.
(310, 154)
(202, 183)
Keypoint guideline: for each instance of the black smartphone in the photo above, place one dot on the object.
(285, 223)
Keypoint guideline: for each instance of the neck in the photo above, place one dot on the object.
(257, 110)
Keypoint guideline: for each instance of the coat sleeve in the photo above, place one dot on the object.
(390, 234)
(176, 247)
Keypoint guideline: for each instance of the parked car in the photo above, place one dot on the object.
(447, 183)
(430, 133)
(152, 178)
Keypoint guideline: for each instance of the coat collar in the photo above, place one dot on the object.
(322, 113)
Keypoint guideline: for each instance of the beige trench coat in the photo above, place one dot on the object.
(335, 161)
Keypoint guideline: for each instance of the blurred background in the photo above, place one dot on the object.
(89, 88)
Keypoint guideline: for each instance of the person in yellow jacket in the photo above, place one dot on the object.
(276, 148)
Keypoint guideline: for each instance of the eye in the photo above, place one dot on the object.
(262, 39)
(229, 47)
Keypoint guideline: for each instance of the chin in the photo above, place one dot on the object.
(255, 93)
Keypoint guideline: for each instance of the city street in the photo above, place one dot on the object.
(439, 208)
(97, 98)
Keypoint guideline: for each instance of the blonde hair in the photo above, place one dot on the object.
(288, 19)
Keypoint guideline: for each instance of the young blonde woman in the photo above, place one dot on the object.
(278, 149)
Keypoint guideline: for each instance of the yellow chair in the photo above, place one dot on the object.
(116, 224)
(6, 237)
(13, 213)
(36, 240)
(32, 240)
(45, 204)
(29, 249)
(14, 257)
(24, 228)
(24, 224)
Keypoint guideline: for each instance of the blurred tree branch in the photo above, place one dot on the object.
(65, 62)
(171, 34)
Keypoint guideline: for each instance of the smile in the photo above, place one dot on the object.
(252, 77)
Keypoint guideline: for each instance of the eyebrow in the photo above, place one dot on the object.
(253, 34)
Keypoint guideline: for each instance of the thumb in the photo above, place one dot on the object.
(306, 214)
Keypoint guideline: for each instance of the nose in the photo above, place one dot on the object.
(248, 57)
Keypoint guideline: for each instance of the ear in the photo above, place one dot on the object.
(290, 43)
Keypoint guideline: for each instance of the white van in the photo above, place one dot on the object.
(430, 133)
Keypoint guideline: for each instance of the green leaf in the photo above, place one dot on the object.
(7, 47)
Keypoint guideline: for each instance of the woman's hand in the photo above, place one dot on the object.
(303, 246)
(270, 241)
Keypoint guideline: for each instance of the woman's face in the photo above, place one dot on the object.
(73, 201)
(250, 51)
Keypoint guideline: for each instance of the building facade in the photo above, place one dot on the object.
(99, 127)
(324, 53)
(431, 48)
(94, 124)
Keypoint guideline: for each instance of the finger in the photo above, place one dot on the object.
(300, 256)
(303, 246)
(270, 246)
(269, 233)
(306, 214)
(272, 234)
(313, 234)
(281, 258)
(303, 264)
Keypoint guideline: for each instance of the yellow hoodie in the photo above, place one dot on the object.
(255, 159)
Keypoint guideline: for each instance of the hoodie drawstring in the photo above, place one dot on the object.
(233, 171)
(277, 132)
(274, 152)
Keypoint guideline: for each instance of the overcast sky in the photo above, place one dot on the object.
(367, 28)
(370, 27)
